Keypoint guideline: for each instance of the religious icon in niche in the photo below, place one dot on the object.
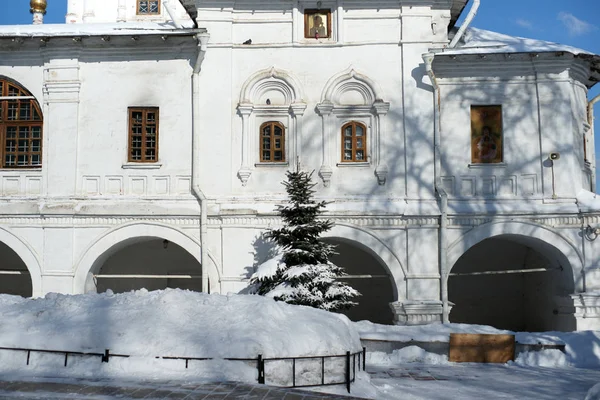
(317, 24)
(486, 134)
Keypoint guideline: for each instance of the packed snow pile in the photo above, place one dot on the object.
(173, 323)
(582, 349)
(409, 354)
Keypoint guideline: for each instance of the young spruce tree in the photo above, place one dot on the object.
(304, 275)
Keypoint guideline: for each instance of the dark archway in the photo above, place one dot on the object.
(369, 277)
(512, 282)
(14, 275)
(150, 263)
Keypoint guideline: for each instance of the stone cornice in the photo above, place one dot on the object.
(45, 221)
(267, 221)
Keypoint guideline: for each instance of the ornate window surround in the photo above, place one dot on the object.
(334, 114)
(255, 110)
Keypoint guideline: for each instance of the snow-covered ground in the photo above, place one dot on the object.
(582, 349)
(188, 324)
(172, 323)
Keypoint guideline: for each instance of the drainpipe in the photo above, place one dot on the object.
(465, 25)
(202, 39)
(167, 5)
(443, 196)
(590, 110)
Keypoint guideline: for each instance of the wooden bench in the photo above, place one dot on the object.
(470, 347)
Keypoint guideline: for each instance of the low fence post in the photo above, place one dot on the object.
(348, 371)
(364, 359)
(106, 356)
(261, 370)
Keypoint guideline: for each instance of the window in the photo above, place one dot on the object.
(272, 142)
(20, 127)
(486, 134)
(148, 7)
(354, 142)
(317, 24)
(143, 134)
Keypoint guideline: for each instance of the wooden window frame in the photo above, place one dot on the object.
(144, 134)
(138, 12)
(272, 150)
(310, 13)
(22, 98)
(355, 148)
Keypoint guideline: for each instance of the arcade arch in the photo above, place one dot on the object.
(513, 276)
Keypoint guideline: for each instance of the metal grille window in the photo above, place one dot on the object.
(354, 142)
(272, 142)
(143, 134)
(20, 127)
(148, 7)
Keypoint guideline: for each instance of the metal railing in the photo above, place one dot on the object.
(341, 371)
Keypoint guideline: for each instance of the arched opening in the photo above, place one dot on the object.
(147, 262)
(14, 275)
(368, 275)
(513, 282)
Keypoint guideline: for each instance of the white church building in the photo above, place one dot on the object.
(143, 144)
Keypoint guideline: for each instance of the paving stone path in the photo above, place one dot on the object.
(100, 390)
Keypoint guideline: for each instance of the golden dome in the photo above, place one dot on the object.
(38, 6)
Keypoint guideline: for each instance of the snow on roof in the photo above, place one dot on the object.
(480, 41)
(96, 29)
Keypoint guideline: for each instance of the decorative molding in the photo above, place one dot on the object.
(262, 80)
(252, 105)
(350, 79)
(550, 221)
(264, 221)
(415, 312)
(370, 106)
(325, 173)
(587, 305)
(261, 221)
(41, 220)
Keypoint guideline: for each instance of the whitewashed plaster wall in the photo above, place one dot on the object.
(108, 11)
(365, 42)
(541, 113)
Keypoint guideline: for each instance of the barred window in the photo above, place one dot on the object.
(143, 134)
(354, 142)
(20, 127)
(148, 7)
(272, 142)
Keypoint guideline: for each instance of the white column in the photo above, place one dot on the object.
(122, 11)
(340, 21)
(325, 109)
(297, 112)
(295, 21)
(245, 171)
(88, 10)
(72, 17)
(380, 109)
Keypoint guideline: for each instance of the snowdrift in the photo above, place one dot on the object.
(582, 349)
(173, 323)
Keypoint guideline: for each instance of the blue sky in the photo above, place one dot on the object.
(572, 22)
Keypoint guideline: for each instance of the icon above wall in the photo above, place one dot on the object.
(317, 24)
(486, 134)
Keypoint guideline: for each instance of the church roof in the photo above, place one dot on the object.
(480, 41)
(455, 10)
(95, 29)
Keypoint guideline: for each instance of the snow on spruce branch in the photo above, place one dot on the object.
(302, 273)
